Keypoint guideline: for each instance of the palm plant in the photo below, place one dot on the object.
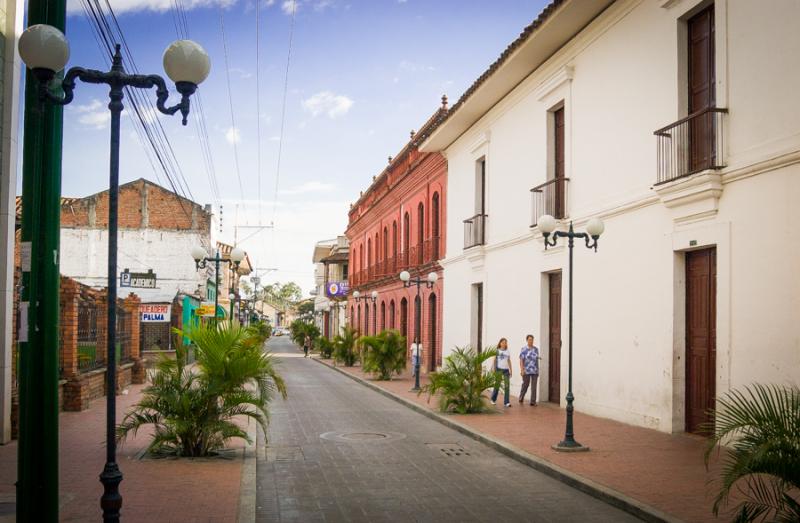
(463, 380)
(383, 354)
(298, 330)
(324, 346)
(192, 411)
(345, 347)
(259, 332)
(761, 427)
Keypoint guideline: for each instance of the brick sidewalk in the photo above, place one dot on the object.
(153, 490)
(665, 471)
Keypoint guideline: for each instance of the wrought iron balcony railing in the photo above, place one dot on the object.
(475, 231)
(549, 198)
(690, 145)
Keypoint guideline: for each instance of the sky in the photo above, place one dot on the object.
(362, 74)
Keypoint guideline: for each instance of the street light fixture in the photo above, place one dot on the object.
(201, 261)
(594, 228)
(374, 298)
(45, 51)
(429, 282)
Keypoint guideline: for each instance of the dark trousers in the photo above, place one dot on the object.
(506, 391)
(533, 381)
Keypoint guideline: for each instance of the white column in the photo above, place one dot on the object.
(8, 190)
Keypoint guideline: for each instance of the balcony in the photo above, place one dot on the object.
(690, 145)
(475, 231)
(549, 198)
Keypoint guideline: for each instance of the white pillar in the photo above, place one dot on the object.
(8, 190)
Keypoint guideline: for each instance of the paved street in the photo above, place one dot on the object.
(338, 451)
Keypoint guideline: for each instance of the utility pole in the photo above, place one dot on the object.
(37, 465)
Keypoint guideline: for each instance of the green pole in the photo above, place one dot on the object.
(37, 465)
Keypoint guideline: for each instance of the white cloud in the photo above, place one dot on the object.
(124, 6)
(334, 105)
(94, 115)
(308, 187)
(243, 74)
(232, 135)
(290, 7)
(321, 5)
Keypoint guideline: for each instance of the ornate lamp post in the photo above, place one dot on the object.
(547, 224)
(201, 261)
(45, 51)
(405, 277)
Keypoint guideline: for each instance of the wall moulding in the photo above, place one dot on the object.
(692, 198)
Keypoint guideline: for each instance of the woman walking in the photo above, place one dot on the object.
(306, 345)
(502, 363)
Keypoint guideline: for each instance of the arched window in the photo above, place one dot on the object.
(385, 243)
(406, 238)
(383, 315)
(366, 319)
(377, 249)
(433, 346)
(394, 243)
(404, 318)
(435, 224)
(420, 232)
(358, 319)
(391, 315)
(351, 316)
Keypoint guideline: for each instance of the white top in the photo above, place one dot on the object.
(503, 357)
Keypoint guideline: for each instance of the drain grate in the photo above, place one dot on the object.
(285, 454)
(451, 450)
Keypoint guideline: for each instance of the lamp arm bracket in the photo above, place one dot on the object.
(591, 242)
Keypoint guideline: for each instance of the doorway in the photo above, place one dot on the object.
(554, 331)
(432, 333)
(701, 336)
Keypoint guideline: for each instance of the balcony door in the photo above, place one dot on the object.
(556, 207)
(701, 77)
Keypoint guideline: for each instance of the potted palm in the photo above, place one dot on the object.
(383, 354)
(463, 380)
(345, 347)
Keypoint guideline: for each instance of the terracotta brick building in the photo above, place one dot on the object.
(398, 224)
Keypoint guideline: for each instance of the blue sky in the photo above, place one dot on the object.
(363, 74)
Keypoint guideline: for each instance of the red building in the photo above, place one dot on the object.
(398, 224)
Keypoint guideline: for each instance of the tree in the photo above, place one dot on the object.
(285, 294)
(345, 347)
(305, 307)
(761, 427)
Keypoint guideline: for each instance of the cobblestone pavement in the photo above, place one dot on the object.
(380, 461)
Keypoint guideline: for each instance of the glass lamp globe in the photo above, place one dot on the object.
(237, 255)
(595, 227)
(432, 277)
(186, 61)
(356, 295)
(405, 276)
(231, 296)
(547, 224)
(374, 295)
(198, 253)
(43, 46)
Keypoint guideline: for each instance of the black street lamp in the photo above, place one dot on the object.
(405, 277)
(45, 51)
(201, 261)
(372, 297)
(594, 228)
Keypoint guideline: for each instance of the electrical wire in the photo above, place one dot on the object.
(283, 115)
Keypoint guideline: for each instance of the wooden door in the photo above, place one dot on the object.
(555, 338)
(701, 336)
(479, 317)
(433, 327)
(558, 204)
(701, 79)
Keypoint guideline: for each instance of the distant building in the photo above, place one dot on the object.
(398, 224)
(332, 260)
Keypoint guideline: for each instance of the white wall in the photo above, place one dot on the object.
(619, 81)
(84, 257)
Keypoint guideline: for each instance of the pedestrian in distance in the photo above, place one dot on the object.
(306, 345)
(502, 364)
(529, 366)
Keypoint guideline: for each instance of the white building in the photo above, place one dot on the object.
(694, 289)
(330, 260)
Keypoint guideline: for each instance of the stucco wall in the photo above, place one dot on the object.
(619, 80)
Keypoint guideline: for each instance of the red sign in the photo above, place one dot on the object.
(154, 312)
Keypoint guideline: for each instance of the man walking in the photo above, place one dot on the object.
(529, 363)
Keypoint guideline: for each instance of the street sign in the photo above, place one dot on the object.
(337, 289)
(142, 280)
(155, 312)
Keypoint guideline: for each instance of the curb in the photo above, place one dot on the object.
(608, 495)
(247, 484)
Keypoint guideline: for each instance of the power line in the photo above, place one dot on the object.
(283, 114)
(258, 106)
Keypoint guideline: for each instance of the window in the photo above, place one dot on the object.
(391, 315)
(358, 319)
(420, 232)
(383, 315)
(345, 270)
(366, 319)
(556, 203)
(435, 226)
(480, 186)
(477, 316)
(406, 237)
(404, 318)
(475, 227)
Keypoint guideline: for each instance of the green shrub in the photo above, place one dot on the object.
(384, 354)
(761, 426)
(324, 346)
(463, 380)
(345, 347)
(192, 411)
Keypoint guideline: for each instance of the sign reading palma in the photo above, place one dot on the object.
(337, 289)
(155, 312)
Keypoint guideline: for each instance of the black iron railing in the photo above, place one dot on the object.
(549, 198)
(475, 231)
(690, 145)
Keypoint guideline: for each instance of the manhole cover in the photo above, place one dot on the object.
(361, 436)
